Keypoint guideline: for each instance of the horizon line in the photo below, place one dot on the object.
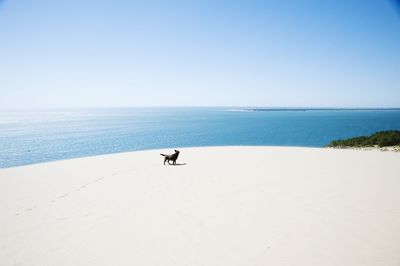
(243, 107)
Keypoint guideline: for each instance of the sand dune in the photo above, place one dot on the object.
(226, 206)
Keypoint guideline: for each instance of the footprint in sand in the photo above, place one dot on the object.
(81, 187)
(88, 214)
(62, 219)
(63, 196)
(29, 209)
(104, 217)
(98, 179)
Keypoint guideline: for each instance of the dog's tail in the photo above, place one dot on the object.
(163, 154)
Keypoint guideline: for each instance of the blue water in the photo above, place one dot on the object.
(28, 137)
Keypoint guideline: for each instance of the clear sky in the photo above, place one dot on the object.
(331, 53)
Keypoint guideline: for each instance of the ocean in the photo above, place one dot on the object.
(28, 137)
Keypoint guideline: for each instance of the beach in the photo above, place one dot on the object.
(218, 206)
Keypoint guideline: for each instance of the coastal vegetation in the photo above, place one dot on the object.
(380, 139)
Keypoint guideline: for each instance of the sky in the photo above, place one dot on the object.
(299, 53)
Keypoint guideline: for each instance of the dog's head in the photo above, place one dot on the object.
(176, 151)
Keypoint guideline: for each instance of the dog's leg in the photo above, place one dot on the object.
(169, 162)
(165, 159)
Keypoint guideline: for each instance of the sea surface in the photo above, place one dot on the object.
(28, 137)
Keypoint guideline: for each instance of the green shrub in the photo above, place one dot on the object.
(381, 138)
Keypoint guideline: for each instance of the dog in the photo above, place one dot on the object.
(172, 157)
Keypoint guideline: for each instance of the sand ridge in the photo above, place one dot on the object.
(225, 206)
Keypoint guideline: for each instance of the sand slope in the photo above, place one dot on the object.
(226, 206)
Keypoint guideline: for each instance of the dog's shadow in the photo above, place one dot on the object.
(178, 164)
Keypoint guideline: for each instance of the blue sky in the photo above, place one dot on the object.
(337, 53)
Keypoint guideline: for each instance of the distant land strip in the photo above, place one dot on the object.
(317, 109)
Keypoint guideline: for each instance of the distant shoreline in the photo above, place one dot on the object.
(313, 109)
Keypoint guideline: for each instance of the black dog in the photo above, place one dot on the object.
(171, 157)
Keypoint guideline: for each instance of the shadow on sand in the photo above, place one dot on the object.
(178, 164)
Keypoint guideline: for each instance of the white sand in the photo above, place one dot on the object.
(227, 206)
